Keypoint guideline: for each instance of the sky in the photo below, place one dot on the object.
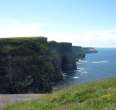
(82, 22)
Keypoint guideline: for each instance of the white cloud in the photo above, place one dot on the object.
(15, 28)
(102, 38)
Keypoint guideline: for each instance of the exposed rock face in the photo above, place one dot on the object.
(33, 64)
(67, 55)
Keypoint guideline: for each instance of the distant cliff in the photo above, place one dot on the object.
(89, 50)
(78, 52)
(34, 64)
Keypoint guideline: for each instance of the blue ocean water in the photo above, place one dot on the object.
(95, 66)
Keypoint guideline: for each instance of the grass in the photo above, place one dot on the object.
(97, 95)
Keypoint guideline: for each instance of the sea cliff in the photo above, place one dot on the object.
(34, 65)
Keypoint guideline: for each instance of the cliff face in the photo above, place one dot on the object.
(78, 52)
(33, 64)
(27, 65)
(65, 56)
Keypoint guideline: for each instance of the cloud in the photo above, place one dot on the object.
(18, 29)
(102, 38)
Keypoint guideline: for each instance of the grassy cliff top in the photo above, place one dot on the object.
(18, 40)
(97, 95)
(8, 45)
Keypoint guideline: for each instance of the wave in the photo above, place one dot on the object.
(100, 62)
(81, 61)
(82, 70)
(76, 77)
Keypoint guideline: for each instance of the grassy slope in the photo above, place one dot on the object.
(98, 95)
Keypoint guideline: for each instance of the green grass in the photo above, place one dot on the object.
(97, 95)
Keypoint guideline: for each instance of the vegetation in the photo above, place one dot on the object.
(98, 95)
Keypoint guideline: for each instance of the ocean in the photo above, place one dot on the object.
(95, 66)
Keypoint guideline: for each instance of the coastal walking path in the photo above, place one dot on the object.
(6, 99)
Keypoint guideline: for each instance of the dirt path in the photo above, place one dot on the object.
(9, 99)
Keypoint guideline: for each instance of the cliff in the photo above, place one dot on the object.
(78, 52)
(89, 50)
(66, 57)
(26, 65)
(34, 64)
